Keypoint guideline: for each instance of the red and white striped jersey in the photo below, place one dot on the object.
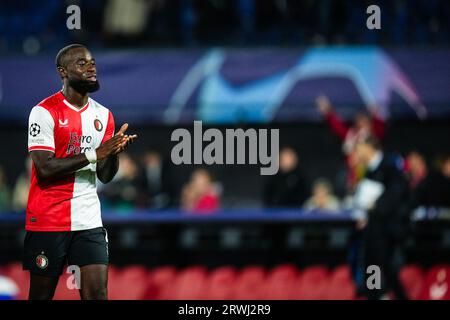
(70, 202)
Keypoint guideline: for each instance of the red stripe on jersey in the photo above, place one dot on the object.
(55, 204)
(109, 132)
(84, 108)
(41, 148)
(74, 108)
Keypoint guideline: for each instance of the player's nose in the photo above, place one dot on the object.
(91, 68)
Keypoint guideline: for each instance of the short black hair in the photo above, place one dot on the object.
(59, 60)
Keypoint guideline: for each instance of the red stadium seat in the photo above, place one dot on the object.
(284, 271)
(437, 284)
(252, 274)
(412, 278)
(340, 286)
(250, 284)
(113, 284)
(189, 284)
(279, 282)
(130, 284)
(159, 279)
(312, 284)
(221, 283)
(134, 273)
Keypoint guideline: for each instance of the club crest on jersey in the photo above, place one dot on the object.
(98, 125)
(42, 261)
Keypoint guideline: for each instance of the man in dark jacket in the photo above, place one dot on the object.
(288, 188)
(382, 194)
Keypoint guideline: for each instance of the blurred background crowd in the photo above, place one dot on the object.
(147, 180)
(31, 26)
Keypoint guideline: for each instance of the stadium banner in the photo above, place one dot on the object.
(240, 85)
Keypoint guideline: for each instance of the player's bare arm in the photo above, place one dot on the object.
(49, 167)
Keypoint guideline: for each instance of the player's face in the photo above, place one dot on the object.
(82, 72)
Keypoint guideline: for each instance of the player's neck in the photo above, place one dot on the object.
(75, 98)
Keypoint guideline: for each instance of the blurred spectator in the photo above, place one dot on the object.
(125, 191)
(157, 196)
(364, 125)
(200, 195)
(415, 168)
(126, 20)
(287, 188)
(434, 190)
(322, 197)
(22, 187)
(5, 193)
(31, 26)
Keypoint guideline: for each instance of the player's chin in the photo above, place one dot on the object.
(92, 86)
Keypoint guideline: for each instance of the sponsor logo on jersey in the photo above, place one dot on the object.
(75, 142)
(63, 123)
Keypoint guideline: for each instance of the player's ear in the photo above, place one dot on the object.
(62, 72)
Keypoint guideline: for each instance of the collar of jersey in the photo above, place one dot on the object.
(71, 106)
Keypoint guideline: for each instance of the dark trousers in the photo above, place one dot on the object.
(356, 260)
(380, 248)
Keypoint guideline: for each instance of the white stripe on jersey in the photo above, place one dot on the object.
(85, 205)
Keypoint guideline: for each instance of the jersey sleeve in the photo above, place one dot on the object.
(110, 127)
(40, 130)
